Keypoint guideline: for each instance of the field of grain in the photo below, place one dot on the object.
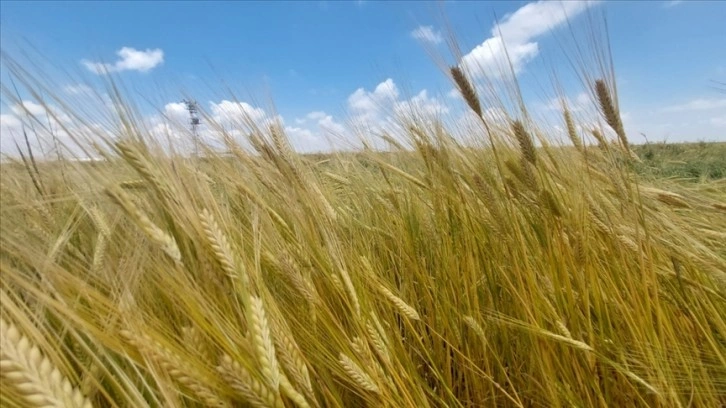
(520, 272)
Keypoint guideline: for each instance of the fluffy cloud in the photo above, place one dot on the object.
(373, 109)
(700, 104)
(427, 34)
(365, 104)
(515, 36)
(48, 129)
(43, 113)
(420, 104)
(130, 59)
(237, 119)
(320, 132)
(237, 113)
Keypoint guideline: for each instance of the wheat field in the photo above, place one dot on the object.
(521, 271)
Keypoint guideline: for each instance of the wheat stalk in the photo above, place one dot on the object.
(32, 375)
(291, 357)
(182, 372)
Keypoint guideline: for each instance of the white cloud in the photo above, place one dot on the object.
(317, 115)
(700, 104)
(300, 134)
(320, 135)
(454, 94)
(427, 34)
(364, 100)
(515, 36)
(672, 3)
(78, 89)
(28, 107)
(48, 129)
(11, 129)
(420, 104)
(383, 110)
(229, 113)
(130, 59)
(491, 56)
(719, 121)
(8, 121)
(366, 106)
(176, 111)
(327, 123)
(43, 113)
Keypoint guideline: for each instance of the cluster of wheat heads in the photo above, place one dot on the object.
(519, 273)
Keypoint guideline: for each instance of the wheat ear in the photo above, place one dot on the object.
(291, 358)
(194, 342)
(290, 391)
(263, 343)
(356, 374)
(152, 231)
(377, 341)
(141, 165)
(402, 306)
(222, 249)
(466, 89)
(351, 290)
(572, 130)
(32, 375)
(176, 367)
(240, 380)
(525, 141)
(300, 282)
(99, 253)
(609, 110)
(474, 325)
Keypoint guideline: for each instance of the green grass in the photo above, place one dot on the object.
(695, 162)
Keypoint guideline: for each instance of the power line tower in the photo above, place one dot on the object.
(194, 121)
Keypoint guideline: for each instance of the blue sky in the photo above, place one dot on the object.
(325, 63)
